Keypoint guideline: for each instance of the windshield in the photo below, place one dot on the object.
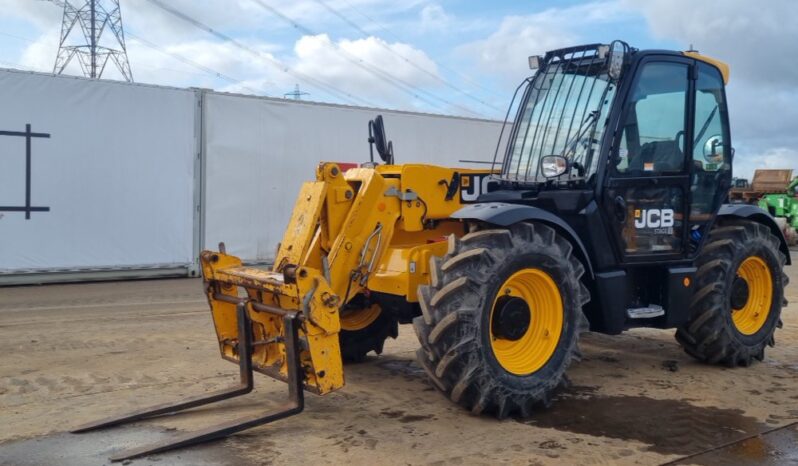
(563, 113)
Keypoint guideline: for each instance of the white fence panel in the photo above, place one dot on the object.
(258, 152)
(116, 173)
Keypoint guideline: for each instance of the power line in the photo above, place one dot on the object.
(271, 60)
(399, 39)
(176, 56)
(359, 62)
(357, 27)
(204, 69)
(199, 66)
(406, 87)
(24, 39)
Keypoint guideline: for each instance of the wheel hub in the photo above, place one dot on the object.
(751, 295)
(511, 318)
(358, 319)
(521, 344)
(739, 293)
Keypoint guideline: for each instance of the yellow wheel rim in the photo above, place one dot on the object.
(359, 319)
(530, 352)
(750, 318)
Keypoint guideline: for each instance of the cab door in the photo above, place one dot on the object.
(647, 190)
(711, 160)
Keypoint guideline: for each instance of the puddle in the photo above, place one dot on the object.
(407, 367)
(406, 418)
(775, 448)
(667, 426)
(94, 448)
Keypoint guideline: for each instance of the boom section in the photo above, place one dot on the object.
(368, 230)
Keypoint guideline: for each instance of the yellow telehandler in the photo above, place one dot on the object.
(605, 212)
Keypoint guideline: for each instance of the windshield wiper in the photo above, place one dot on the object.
(587, 125)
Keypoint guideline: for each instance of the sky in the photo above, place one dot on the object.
(440, 56)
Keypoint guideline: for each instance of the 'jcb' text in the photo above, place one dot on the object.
(654, 218)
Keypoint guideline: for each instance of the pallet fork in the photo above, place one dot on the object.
(286, 322)
(294, 405)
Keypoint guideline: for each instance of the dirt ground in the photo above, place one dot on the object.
(75, 353)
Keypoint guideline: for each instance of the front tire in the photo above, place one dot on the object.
(365, 330)
(501, 318)
(739, 295)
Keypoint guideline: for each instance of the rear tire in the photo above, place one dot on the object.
(742, 268)
(460, 351)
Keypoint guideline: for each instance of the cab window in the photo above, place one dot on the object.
(652, 141)
(711, 155)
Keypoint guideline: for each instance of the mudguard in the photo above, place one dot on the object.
(752, 212)
(505, 214)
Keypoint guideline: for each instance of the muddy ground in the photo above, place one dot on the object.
(75, 353)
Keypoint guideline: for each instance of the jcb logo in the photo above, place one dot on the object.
(653, 218)
(472, 186)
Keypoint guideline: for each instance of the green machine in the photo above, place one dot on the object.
(784, 207)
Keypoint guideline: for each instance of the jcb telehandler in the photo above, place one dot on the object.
(605, 212)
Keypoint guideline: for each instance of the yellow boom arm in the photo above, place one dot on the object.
(369, 229)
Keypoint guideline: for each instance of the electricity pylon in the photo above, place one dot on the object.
(93, 18)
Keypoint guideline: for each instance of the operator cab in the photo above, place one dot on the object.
(630, 150)
(643, 135)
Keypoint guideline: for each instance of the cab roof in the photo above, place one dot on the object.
(562, 53)
(722, 66)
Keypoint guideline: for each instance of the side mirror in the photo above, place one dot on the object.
(711, 153)
(553, 166)
(617, 59)
(377, 138)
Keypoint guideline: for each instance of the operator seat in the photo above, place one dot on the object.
(665, 155)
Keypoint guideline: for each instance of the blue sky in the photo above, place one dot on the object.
(442, 56)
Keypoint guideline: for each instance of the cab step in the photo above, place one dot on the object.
(648, 312)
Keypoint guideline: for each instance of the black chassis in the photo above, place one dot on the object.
(578, 213)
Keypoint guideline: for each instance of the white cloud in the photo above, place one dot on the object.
(154, 66)
(245, 16)
(434, 18)
(332, 62)
(756, 38)
(316, 56)
(40, 54)
(505, 51)
(777, 157)
(40, 12)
